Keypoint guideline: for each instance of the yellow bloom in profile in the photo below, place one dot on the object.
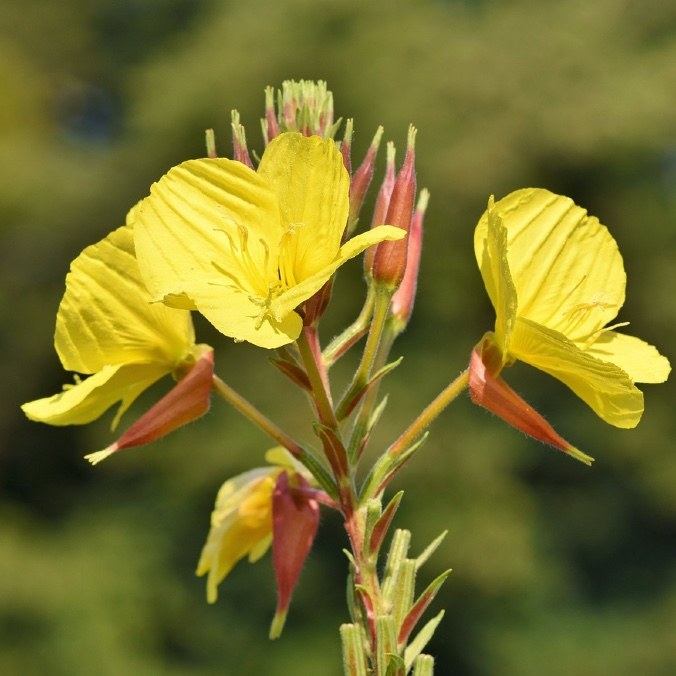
(242, 523)
(244, 247)
(555, 278)
(107, 326)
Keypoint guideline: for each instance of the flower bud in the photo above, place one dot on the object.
(404, 297)
(346, 146)
(269, 123)
(241, 152)
(382, 202)
(362, 180)
(389, 260)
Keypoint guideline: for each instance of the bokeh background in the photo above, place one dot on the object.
(558, 569)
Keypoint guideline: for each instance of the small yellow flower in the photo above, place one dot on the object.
(246, 248)
(107, 326)
(555, 278)
(241, 523)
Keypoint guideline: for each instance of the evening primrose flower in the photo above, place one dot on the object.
(249, 508)
(106, 326)
(247, 248)
(555, 278)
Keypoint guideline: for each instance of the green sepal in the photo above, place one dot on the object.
(293, 372)
(395, 557)
(354, 657)
(374, 509)
(412, 652)
(419, 607)
(386, 643)
(334, 449)
(396, 666)
(385, 468)
(324, 479)
(429, 550)
(370, 425)
(381, 527)
(423, 666)
(346, 406)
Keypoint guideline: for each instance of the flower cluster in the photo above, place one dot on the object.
(255, 248)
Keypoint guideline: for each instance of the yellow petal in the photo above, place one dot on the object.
(296, 295)
(208, 221)
(81, 403)
(641, 361)
(244, 317)
(241, 524)
(567, 270)
(106, 317)
(312, 187)
(605, 387)
(498, 279)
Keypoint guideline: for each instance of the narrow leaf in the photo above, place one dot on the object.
(383, 524)
(420, 606)
(418, 644)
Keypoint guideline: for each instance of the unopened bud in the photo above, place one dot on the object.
(382, 202)
(210, 139)
(389, 260)
(404, 297)
(241, 152)
(361, 180)
(346, 146)
(269, 122)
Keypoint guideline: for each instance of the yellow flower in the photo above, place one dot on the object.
(555, 278)
(107, 326)
(241, 523)
(246, 248)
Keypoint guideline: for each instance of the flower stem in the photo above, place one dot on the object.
(311, 358)
(381, 308)
(248, 410)
(342, 343)
(433, 409)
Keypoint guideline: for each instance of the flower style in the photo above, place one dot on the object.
(246, 248)
(555, 278)
(107, 326)
(248, 508)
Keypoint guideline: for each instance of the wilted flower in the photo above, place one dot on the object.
(249, 508)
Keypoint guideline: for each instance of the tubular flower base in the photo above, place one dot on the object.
(295, 519)
(555, 278)
(107, 326)
(247, 248)
(185, 402)
(492, 392)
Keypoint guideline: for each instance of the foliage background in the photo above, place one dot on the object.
(558, 569)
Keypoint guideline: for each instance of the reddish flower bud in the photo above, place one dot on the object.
(389, 260)
(487, 389)
(404, 297)
(346, 146)
(295, 519)
(185, 402)
(269, 123)
(362, 180)
(241, 152)
(382, 202)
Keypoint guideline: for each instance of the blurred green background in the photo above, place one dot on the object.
(558, 569)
